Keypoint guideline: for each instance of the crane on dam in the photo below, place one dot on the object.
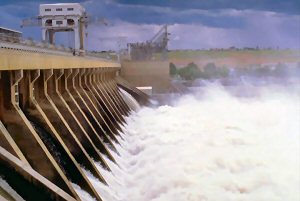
(157, 44)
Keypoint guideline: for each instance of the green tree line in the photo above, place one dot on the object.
(192, 72)
(211, 71)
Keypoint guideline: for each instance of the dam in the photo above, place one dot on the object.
(62, 111)
(58, 113)
(71, 129)
(150, 124)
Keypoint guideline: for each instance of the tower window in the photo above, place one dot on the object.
(59, 22)
(48, 23)
(58, 9)
(48, 9)
(70, 9)
(70, 22)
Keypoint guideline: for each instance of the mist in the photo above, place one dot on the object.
(212, 144)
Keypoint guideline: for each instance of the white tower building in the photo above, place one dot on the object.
(63, 17)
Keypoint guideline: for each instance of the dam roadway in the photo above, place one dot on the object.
(58, 113)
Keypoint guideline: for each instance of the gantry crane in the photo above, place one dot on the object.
(157, 44)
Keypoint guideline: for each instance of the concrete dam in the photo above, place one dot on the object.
(58, 113)
(143, 122)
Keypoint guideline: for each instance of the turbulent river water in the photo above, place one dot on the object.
(212, 145)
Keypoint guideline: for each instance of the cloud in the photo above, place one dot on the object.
(15, 2)
(272, 31)
(191, 26)
(133, 33)
(11, 16)
(265, 29)
(283, 6)
(141, 14)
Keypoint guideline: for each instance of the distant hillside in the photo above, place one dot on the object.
(233, 58)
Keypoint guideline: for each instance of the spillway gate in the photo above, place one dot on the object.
(58, 113)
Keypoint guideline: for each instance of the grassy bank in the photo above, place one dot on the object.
(233, 58)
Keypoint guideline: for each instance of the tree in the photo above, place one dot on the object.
(223, 71)
(189, 72)
(209, 71)
(172, 69)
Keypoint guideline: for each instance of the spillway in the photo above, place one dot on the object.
(214, 144)
(72, 129)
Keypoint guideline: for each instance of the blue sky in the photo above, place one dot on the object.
(194, 24)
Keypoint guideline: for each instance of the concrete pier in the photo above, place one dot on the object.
(57, 114)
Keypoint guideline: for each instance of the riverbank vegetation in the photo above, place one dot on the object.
(210, 71)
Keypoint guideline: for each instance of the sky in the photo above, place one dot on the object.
(193, 24)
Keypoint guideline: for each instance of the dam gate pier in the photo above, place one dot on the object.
(58, 113)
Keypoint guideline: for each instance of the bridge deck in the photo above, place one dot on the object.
(16, 59)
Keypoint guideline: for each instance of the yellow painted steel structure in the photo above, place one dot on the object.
(58, 114)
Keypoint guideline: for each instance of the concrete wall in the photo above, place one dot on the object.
(147, 73)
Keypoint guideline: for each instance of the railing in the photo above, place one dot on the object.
(17, 43)
(8, 38)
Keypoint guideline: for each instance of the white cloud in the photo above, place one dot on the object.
(262, 28)
(259, 30)
(132, 32)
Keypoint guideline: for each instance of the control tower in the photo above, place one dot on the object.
(63, 17)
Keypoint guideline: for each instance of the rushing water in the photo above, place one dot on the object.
(210, 146)
(130, 101)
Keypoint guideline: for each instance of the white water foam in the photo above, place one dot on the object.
(84, 196)
(215, 148)
(131, 102)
